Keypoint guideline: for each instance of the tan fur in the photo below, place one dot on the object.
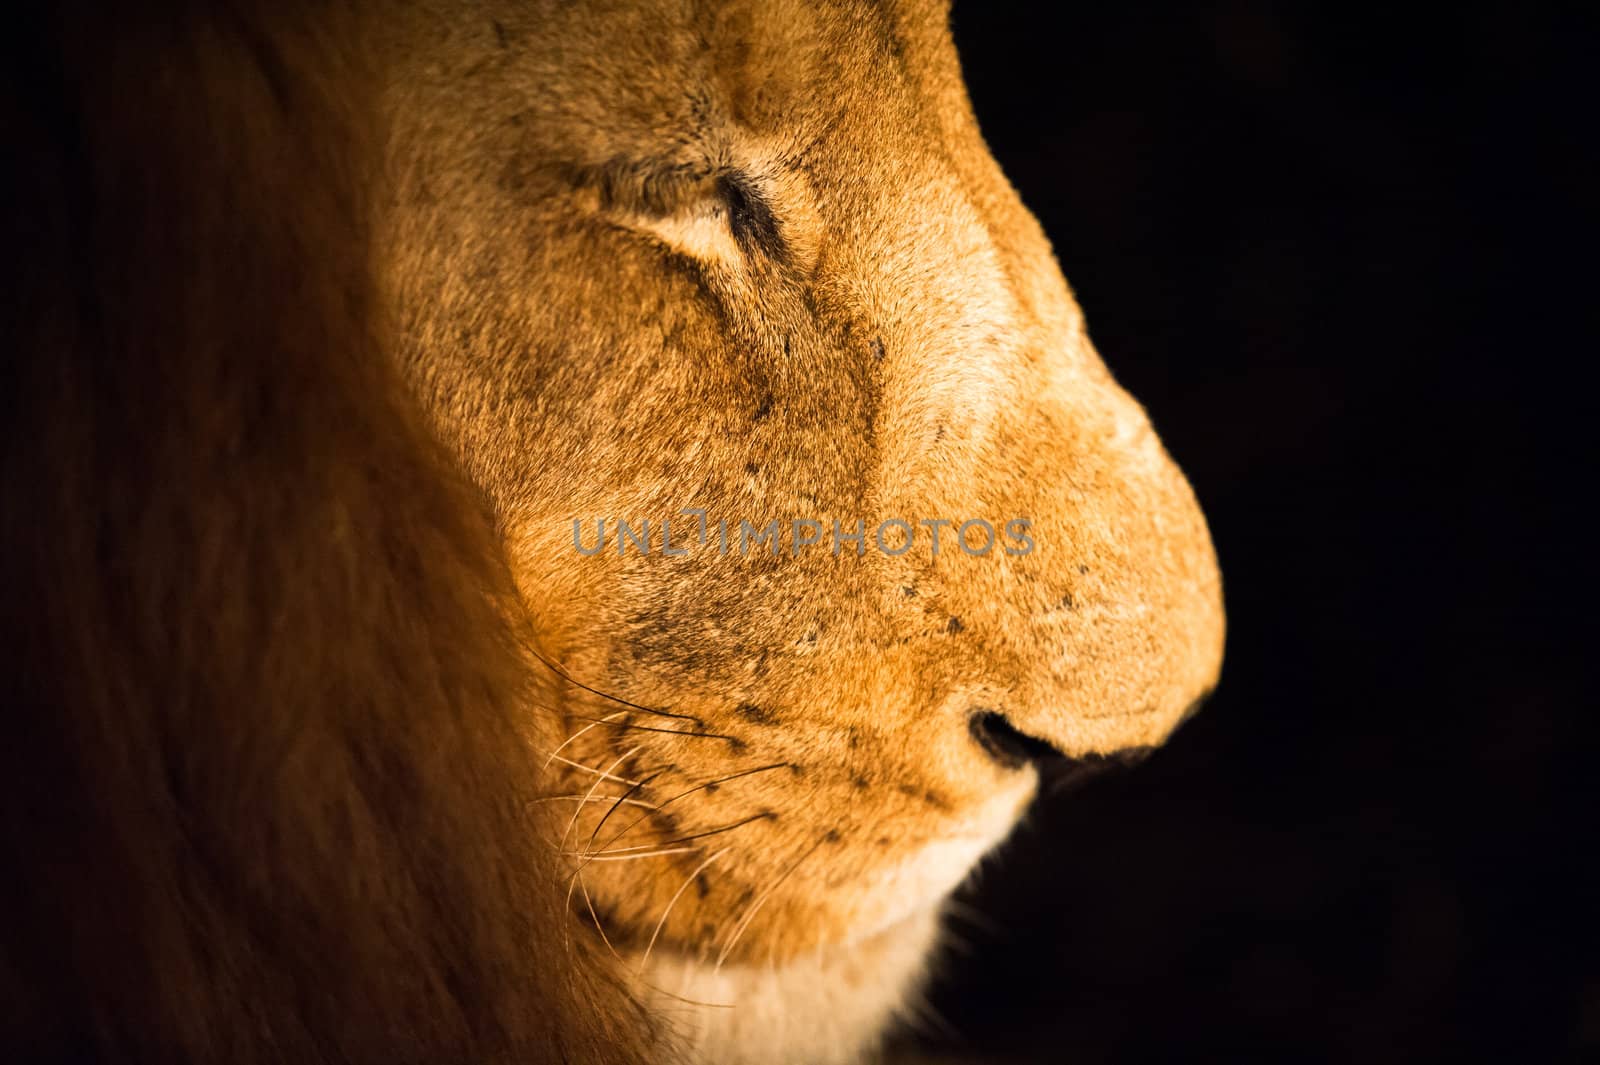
(631, 258)
(596, 341)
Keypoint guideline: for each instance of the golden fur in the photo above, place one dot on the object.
(315, 762)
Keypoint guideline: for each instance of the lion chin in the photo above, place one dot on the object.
(833, 1006)
(835, 1003)
(553, 532)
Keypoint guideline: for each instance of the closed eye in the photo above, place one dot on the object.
(750, 217)
(712, 214)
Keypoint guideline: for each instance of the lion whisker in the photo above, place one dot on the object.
(570, 679)
(690, 791)
(589, 847)
(760, 900)
(566, 925)
(685, 839)
(591, 769)
(579, 811)
(594, 723)
(586, 855)
(650, 728)
(587, 858)
(595, 916)
(595, 798)
(690, 1001)
(648, 947)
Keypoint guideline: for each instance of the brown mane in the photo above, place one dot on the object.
(265, 789)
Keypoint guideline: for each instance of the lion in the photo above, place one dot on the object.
(542, 531)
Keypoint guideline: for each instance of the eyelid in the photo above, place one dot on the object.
(667, 193)
(652, 187)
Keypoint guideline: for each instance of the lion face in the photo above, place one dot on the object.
(702, 271)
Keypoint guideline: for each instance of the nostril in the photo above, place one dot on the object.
(1005, 744)
(1013, 749)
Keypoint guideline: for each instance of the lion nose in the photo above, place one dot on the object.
(1012, 748)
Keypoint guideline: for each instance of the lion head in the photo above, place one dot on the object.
(817, 526)
(823, 505)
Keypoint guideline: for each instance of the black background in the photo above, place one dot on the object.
(1343, 257)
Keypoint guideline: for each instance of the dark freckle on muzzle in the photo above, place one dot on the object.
(756, 715)
(927, 795)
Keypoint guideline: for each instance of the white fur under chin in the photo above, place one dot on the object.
(828, 1008)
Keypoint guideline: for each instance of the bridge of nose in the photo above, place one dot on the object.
(1107, 631)
(997, 408)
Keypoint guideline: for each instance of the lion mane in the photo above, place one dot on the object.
(263, 799)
